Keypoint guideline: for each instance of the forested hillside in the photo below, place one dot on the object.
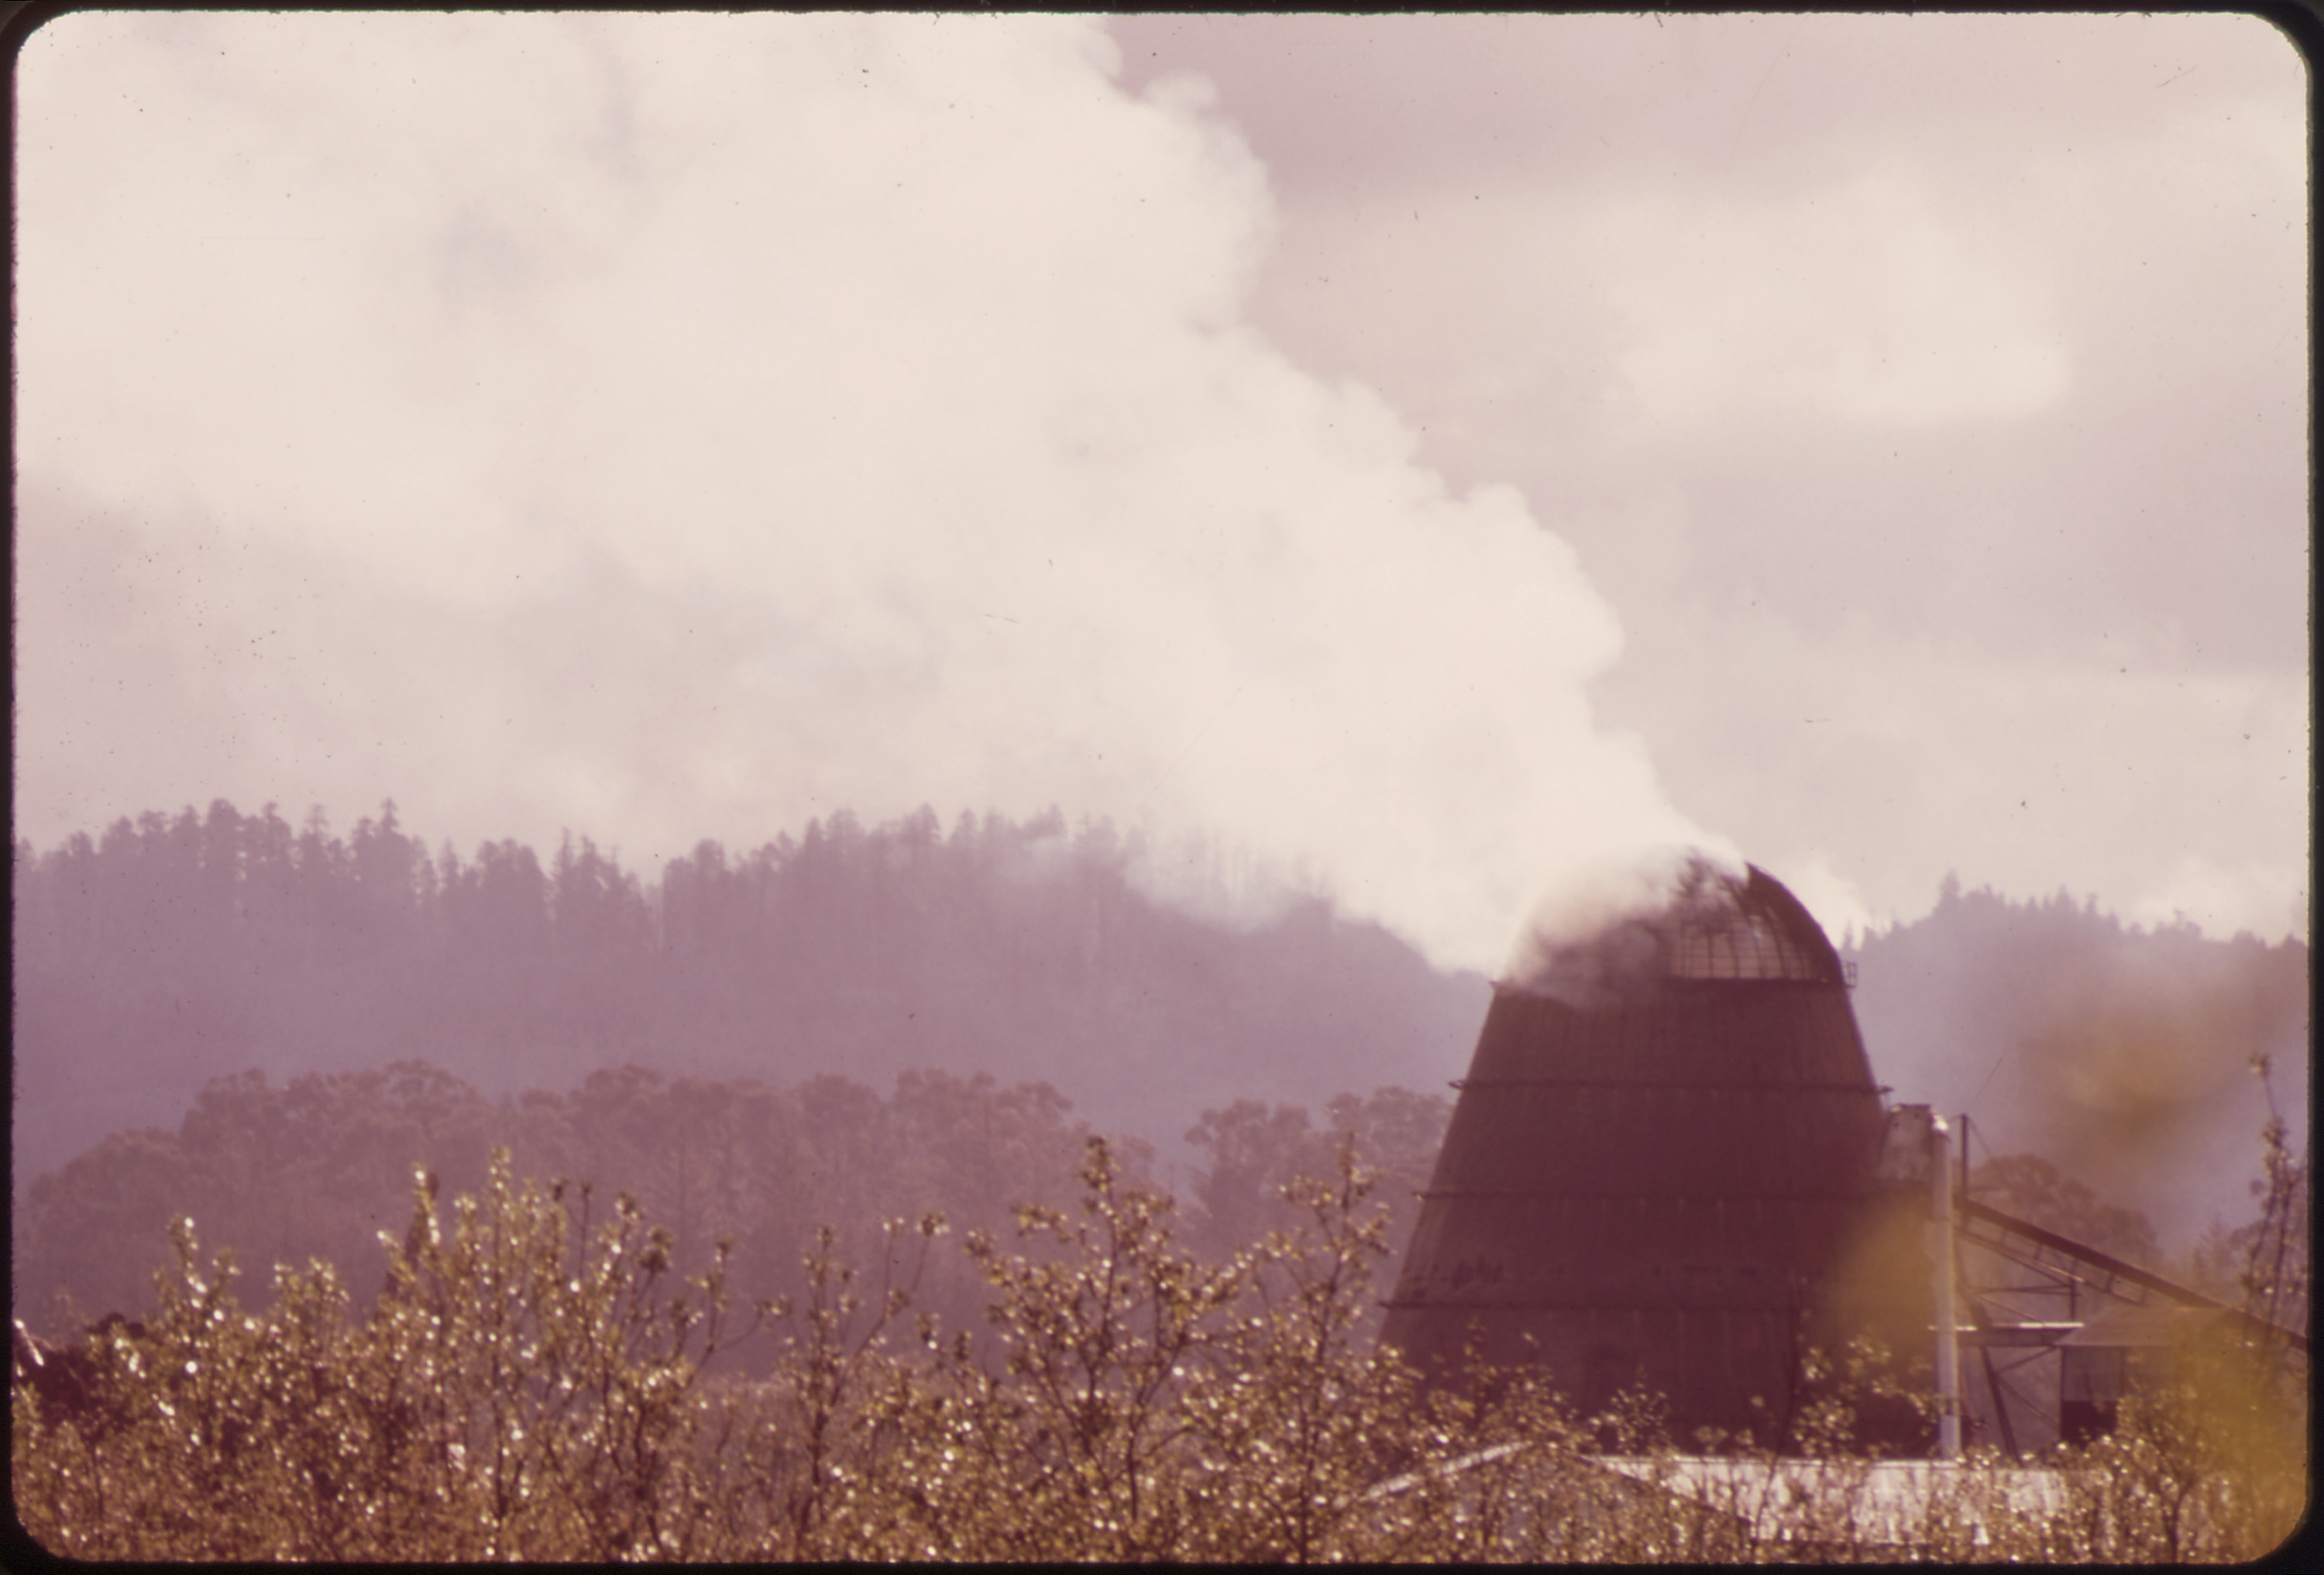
(2121, 1054)
(219, 1015)
(178, 949)
(319, 1167)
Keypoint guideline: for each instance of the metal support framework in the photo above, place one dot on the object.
(2003, 1320)
(2062, 1258)
(1941, 1207)
(2000, 1406)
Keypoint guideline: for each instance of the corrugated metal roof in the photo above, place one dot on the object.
(1875, 1503)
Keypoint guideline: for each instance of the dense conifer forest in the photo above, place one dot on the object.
(176, 949)
(218, 1016)
(266, 1027)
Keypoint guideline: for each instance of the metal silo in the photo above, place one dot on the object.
(1665, 1141)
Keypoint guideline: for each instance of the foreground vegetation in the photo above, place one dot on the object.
(532, 1384)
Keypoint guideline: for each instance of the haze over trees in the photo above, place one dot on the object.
(2121, 1056)
(733, 1067)
(265, 1028)
(177, 949)
(319, 1169)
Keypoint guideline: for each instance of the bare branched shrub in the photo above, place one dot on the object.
(528, 1386)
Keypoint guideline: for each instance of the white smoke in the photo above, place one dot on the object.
(676, 427)
(1591, 935)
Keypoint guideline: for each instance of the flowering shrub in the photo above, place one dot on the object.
(532, 1386)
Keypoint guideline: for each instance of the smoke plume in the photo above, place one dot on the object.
(1606, 931)
(676, 427)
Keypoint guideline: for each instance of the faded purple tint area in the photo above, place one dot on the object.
(178, 949)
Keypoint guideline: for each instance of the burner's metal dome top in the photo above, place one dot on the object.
(1720, 928)
(1708, 924)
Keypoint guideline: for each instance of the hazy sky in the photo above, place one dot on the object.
(1431, 454)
